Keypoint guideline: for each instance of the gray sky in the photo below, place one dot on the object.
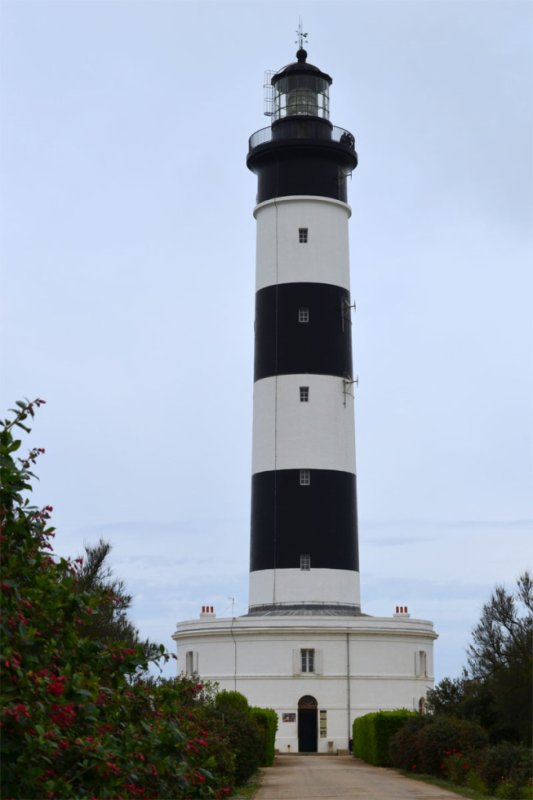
(128, 255)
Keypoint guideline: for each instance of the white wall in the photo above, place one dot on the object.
(255, 656)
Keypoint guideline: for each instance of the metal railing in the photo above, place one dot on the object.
(264, 135)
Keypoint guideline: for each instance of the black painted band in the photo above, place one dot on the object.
(305, 166)
(286, 346)
(290, 520)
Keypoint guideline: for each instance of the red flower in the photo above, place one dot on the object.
(63, 716)
(20, 711)
(56, 685)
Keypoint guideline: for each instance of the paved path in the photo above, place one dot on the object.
(333, 777)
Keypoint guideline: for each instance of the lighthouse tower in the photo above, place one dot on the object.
(305, 648)
(304, 552)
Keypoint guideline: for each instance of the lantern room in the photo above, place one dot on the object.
(300, 89)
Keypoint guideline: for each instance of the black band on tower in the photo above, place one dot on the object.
(290, 520)
(302, 328)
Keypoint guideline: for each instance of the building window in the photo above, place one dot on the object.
(422, 664)
(189, 663)
(308, 660)
(303, 235)
(305, 562)
(323, 724)
(304, 394)
(303, 315)
(305, 477)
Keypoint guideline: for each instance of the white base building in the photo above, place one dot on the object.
(318, 672)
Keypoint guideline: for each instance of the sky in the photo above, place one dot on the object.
(127, 250)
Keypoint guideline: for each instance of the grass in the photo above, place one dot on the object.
(248, 790)
(463, 791)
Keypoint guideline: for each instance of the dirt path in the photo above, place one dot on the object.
(333, 777)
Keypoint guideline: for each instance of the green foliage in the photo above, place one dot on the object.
(267, 721)
(507, 762)
(496, 691)
(110, 622)
(443, 736)
(372, 734)
(228, 699)
(403, 748)
(77, 719)
(244, 739)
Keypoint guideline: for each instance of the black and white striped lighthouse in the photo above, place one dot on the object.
(304, 552)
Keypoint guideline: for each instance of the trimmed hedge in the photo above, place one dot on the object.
(372, 734)
(267, 721)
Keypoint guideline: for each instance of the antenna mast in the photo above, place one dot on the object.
(302, 37)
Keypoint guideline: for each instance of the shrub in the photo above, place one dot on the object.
(228, 699)
(475, 781)
(507, 763)
(403, 748)
(372, 734)
(267, 721)
(443, 736)
(245, 739)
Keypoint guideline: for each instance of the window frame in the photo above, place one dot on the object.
(305, 477)
(303, 235)
(305, 562)
(307, 659)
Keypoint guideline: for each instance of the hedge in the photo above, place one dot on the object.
(267, 720)
(372, 734)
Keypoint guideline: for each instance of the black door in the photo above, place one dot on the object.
(307, 725)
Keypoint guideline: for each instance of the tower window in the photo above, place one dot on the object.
(304, 394)
(303, 235)
(303, 315)
(189, 663)
(308, 660)
(305, 562)
(305, 477)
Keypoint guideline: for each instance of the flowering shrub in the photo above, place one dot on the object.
(79, 717)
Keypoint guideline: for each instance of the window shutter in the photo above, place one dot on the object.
(417, 663)
(318, 662)
(296, 662)
(195, 662)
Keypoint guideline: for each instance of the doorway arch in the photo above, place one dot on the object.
(307, 724)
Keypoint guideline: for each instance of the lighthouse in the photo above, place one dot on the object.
(303, 544)
(305, 648)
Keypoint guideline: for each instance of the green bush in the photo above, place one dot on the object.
(245, 740)
(442, 737)
(372, 735)
(267, 721)
(506, 763)
(228, 699)
(475, 781)
(403, 747)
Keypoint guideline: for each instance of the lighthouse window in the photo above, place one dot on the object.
(304, 394)
(302, 235)
(305, 562)
(305, 477)
(303, 315)
(189, 663)
(308, 660)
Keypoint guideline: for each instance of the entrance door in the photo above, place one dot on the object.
(307, 724)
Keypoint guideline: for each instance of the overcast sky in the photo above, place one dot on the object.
(128, 257)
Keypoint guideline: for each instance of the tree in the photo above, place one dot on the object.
(110, 622)
(503, 637)
(496, 687)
